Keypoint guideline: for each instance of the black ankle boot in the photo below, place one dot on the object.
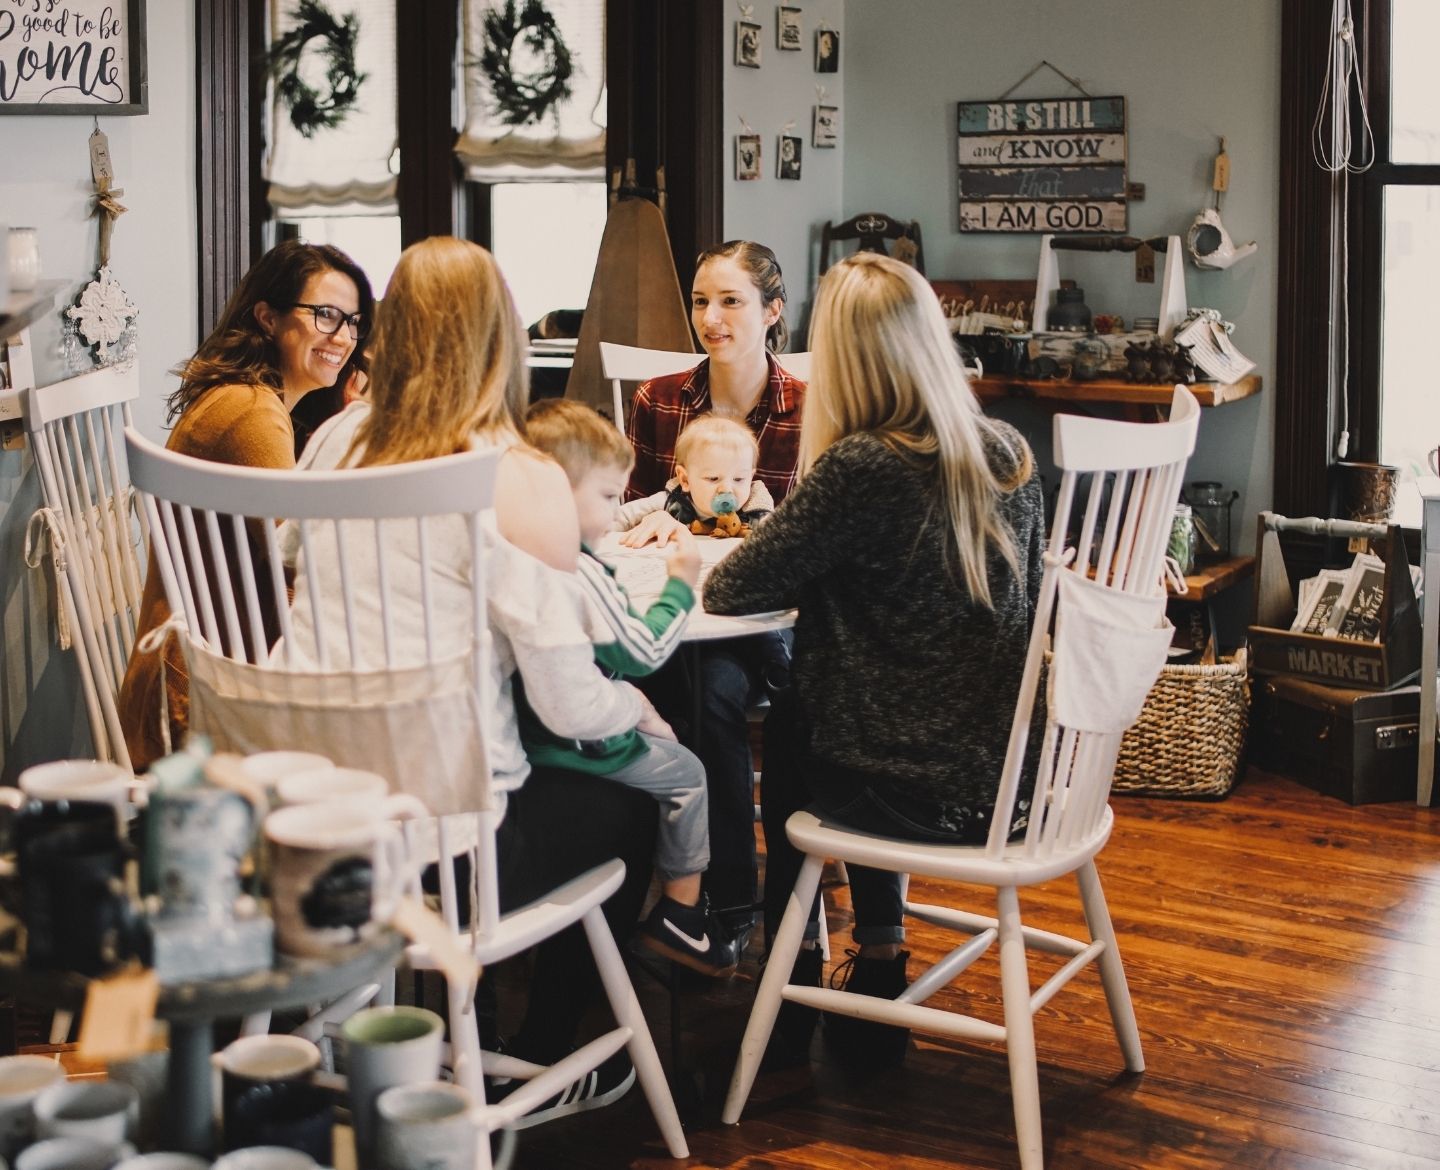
(864, 1044)
(789, 1045)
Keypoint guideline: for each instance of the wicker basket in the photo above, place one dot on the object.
(1191, 735)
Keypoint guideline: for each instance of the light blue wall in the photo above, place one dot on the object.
(787, 215)
(45, 183)
(1190, 73)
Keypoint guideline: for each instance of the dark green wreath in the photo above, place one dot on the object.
(529, 97)
(310, 110)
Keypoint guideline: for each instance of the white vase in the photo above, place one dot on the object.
(24, 258)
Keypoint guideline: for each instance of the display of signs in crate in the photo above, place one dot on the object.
(1371, 665)
(1043, 165)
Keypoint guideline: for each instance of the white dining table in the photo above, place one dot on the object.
(642, 572)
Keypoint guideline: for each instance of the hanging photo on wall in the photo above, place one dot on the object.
(825, 127)
(788, 164)
(787, 29)
(827, 51)
(747, 157)
(747, 44)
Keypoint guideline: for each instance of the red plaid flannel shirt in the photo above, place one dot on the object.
(663, 406)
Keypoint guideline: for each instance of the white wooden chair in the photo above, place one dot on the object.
(95, 534)
(627, 363)
(420, 724)
(1069, 816)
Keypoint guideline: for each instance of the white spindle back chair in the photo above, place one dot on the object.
(372, 542)
(1135, 472)
(628, 363)
(95, 532)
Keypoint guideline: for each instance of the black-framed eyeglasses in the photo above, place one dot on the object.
(329, 318)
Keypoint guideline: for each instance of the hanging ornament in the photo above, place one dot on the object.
(310, 109)
(105, 312)
(523, 97)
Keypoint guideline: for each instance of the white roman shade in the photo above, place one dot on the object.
(569, 142)
(345, 169)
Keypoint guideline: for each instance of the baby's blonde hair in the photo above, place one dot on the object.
(715, 430)
(576, 438)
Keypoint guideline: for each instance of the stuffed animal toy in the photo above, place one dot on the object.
(725, 522)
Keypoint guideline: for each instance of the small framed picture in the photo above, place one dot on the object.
(747, 157)
(825, 127)
(747, 44)
(788, 165)
(827, 51)
(787, 29)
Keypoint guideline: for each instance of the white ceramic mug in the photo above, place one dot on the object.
(336, 872)
(22, 1079)
(89, 780)
(99, 1111)
(385, 1047)
(72, 1153)
(265, 1158)
(425, 1127)
(163, 1162)
(352, 785)
(23, 258)
(271, 767)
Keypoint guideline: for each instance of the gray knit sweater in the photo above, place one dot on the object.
(899, 673)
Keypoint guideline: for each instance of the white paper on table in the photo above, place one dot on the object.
(642, 570)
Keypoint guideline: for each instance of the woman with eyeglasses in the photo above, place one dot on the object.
(296, 324)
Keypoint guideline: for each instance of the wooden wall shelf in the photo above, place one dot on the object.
(994, 387)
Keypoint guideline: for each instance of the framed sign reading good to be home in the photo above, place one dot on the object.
(72, 57)
(1042, 165)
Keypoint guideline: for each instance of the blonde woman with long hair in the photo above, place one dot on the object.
(912, 548)
(447, 375)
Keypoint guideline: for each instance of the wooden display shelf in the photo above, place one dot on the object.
(1211, 579)
(994, 387)
(20, 310)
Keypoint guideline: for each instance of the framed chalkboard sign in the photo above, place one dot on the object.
(72, 57)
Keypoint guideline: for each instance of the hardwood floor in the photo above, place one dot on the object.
(1283, 951)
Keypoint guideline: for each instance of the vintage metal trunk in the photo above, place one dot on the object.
(1362, 746)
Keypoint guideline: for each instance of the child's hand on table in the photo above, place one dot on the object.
(683, 560)
(659, 527)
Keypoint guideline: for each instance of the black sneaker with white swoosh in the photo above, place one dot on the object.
(691, 936)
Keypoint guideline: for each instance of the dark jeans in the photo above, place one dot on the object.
(731, 679)
(557, 826)
(796, 779)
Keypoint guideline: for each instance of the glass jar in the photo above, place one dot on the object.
(1211, 504)
(24, 258)
(1182, 539)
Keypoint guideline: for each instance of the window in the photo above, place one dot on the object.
(546, 239)
(1396, 219)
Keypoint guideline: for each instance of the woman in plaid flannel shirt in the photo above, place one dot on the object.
(737, 304)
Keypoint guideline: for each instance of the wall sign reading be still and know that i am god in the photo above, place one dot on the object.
(1043, 165)
(72, 57)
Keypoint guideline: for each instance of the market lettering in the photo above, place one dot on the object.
(1332, 664)
(86, 67)
(1054, 115)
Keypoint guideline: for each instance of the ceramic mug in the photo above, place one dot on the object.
(163, 1162)
(294, 1114)
(271, 767)
(1434, 460)
(425, 1127)
(72, 1154)
(76, 911)
(336, 872)
(260, 1060)
(385, 1047)
(265, 1158)
(195, 841)
(352, 785)
(98, 1111)
(22, 1079)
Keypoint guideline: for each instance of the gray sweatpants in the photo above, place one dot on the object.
(674, 776)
